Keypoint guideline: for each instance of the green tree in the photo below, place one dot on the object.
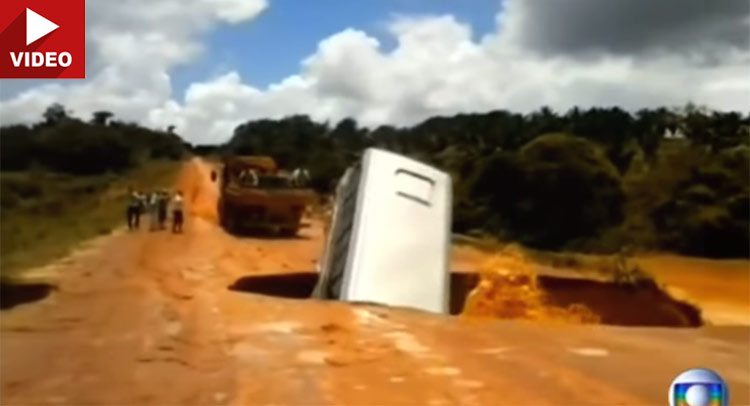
(55, 114)
(17, 147)
(557, 190)
(348, 136)
(101, 117)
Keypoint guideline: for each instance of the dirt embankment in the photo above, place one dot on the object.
(721, 288)
(149, 318)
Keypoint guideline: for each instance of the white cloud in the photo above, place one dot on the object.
(435, 68)
(234, 11)
(132, 45)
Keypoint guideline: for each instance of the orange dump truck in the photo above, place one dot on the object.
(256, 196)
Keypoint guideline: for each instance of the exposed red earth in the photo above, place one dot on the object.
(148, 318)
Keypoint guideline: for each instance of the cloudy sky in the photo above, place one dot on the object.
(207, 65)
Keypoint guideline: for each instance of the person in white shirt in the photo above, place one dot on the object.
(300, 177)
(178, 212)
(153, 210)
(162, 204)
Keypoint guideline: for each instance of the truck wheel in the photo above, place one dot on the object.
(233, 225)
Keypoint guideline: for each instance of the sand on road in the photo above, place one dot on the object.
(147, 318)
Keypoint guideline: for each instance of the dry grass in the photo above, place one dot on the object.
(620, 268)
(45, 215)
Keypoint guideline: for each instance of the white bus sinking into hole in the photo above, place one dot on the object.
(389, 239)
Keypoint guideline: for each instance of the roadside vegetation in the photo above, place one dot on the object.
(64, 181)
(599, 181)
(593, 181)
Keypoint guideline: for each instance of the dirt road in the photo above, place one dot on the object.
(147, 318)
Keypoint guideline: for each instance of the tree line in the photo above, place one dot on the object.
(596, 180)
(62, 143)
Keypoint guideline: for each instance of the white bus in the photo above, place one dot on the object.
(389, 239)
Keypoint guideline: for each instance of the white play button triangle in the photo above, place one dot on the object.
(37, 26)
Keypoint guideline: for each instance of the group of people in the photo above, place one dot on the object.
(156, 204)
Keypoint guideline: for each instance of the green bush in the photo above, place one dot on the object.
(557, 189)
(79, 148)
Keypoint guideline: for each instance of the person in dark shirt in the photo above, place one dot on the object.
(162, 203)
(153, 210)
(178, 212)
(133, 212)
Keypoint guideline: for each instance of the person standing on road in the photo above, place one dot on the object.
(153, 210)
(135, 201)
(178, 212)
(162, 202)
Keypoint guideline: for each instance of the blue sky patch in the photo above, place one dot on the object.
(270, 48)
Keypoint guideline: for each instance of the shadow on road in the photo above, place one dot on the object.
(12, 295)
(264, 235)
(298, 285)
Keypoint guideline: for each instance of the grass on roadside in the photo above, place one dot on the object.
(44, 215)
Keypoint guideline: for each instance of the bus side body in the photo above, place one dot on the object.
(398, 250)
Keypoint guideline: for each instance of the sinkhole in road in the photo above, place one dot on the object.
(643, 305)
(297, 285)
